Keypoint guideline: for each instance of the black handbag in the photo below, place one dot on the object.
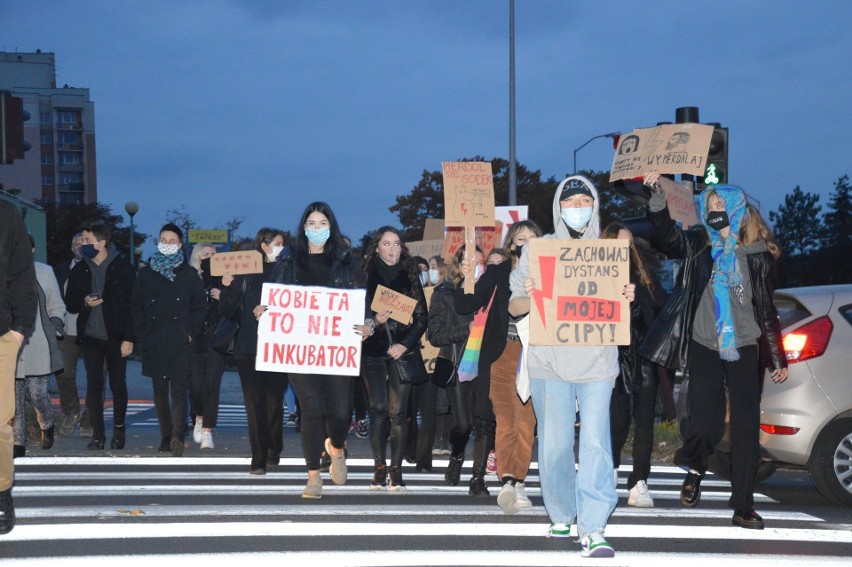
(446, 373)
(408, 368)
(225, 336)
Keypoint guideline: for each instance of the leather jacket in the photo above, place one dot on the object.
(667, 341)
(377, 344)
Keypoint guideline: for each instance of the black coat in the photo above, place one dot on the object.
(18, 298)
(167, 317)
(118, 288)
(239, 300)
(342, 269)
(497, 323)
(406, 335)
(446, 327)
(667, 341)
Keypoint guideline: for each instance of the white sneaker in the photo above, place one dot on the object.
(639, 497)
(559, 530)
(522, 501)
(595, 545)
(196, 431)
(207, 440)
(506, 499)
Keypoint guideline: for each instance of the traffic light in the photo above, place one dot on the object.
(716, 172)
(12, 116)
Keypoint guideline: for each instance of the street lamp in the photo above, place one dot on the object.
(132, 208)
(610, 135)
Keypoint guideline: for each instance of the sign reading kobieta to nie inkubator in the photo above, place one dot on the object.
(310, 330)
(578, 298)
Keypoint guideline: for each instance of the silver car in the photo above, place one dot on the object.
(807, 420)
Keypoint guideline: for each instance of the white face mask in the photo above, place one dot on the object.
(167, 249)
(276, 250)
(424, 278)
(478, 271)
(577, 218)
(434, 276)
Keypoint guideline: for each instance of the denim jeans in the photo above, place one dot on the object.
(587, 494)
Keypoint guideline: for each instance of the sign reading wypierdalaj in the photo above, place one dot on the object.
(670, 148)
(309, 330)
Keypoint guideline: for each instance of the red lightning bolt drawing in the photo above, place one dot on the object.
(464, 208)
(547, 265)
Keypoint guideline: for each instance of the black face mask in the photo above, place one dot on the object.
(717, 219)
(88, 250)
(205, 265)
(518, 251)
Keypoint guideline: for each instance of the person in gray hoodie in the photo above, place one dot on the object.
(563, 378)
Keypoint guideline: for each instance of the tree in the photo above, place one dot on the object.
(837, 247)
(64, 221)
(796, 223)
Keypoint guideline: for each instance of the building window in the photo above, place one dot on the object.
(67, 137)
(47, 139)
(47, 180)
(68, 117)
(46, 159)
(69, 158)
(44, 117)
(68, 178)
(70, 198)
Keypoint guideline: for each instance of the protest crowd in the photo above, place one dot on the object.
(346, 332)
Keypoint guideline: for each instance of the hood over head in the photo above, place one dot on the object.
(573, 185)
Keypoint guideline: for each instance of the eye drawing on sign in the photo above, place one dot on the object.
(629, 145)
(678, 139)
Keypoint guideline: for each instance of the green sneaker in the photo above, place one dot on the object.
(595, 545)
(559, 530)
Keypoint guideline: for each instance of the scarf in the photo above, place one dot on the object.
(727, 279)
(469, 364)
(165, 265)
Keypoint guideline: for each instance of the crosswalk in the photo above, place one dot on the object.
(99, 510)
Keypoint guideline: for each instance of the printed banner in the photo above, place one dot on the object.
(468, 193)
(578, 297)
(310, 330)
(670, 148)
(236, 263)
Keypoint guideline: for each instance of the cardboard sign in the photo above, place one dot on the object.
(236, 263)
(433, 229)
(578, 300)
(670, 148)
(425, 248)
(452, 242)
(401, 306)
(309, 330)
(681, 203)
(468, 193)
(509, 216)
(486, 237)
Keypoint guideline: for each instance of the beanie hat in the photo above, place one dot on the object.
(575, 187)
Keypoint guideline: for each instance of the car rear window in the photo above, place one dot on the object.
(790, 311)
(846, 311)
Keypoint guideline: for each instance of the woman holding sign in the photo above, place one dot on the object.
(263, 392)
(563, 377)
(388, 264)
(721, 324)
(320, 257)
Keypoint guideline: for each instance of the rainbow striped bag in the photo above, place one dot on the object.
(469, 364)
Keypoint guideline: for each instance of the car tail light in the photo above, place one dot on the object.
(778, 429)
(808, 341)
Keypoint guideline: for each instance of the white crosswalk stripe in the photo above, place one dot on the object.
(149, 509)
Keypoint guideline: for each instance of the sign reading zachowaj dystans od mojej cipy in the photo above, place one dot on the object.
(578, 298)
(309, 330)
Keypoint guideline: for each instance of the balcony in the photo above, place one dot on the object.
(77, 147)
(69, 126)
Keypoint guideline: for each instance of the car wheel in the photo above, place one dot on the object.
(831, 462)
(719, 464)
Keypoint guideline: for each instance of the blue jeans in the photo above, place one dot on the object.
(587, 494)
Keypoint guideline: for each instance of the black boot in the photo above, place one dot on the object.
(97, 442)
(47, 438)
(690, 492)
(118, 437)
(395, 483)
(482, 445)
(380, 478)
(453, 474)
(477, 487)
(19, 451)
(165, 444)
(7, 511)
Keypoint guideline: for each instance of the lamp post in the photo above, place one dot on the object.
(132, 208)
(590, 140)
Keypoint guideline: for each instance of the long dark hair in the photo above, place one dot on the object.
(371, 256)
(637, 262)
(332, 246)
(265, 236)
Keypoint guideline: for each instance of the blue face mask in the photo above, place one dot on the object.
(318, 237)
(88, 250)
(577, 218)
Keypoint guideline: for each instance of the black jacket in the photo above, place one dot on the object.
(667, 341)
(116, 295)
(167, 317)
(409, 335)
(497, 323)
(239, 300)
(342, 269)
(446, 327)
(18, 298)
